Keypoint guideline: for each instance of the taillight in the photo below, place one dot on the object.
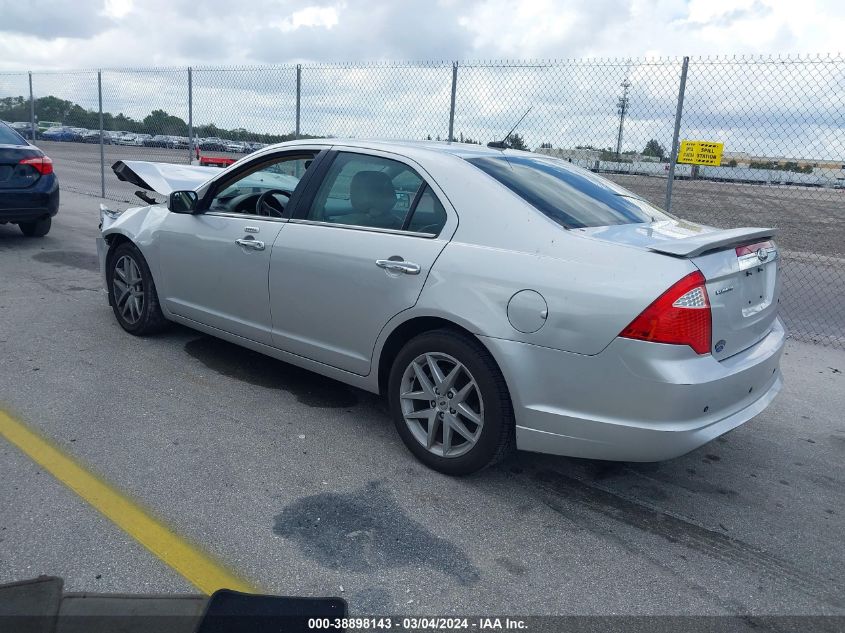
(680, 316)
(42, 164)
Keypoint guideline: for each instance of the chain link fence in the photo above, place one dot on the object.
(781, 120)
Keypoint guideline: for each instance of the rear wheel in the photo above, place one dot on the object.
(37, 228)
(450, 403)
(132, 292)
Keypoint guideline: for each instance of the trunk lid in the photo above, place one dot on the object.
(740, 266)
(13, 175)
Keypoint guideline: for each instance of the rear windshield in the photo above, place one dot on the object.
(569, 195)
(9, 137)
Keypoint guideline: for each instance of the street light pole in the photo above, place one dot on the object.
(622, 108)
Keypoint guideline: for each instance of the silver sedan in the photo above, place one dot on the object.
(497, 298)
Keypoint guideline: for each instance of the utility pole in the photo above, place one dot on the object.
(622, 108)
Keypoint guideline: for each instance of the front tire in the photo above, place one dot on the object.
(450, 403)
(37, 228)
(132, 292)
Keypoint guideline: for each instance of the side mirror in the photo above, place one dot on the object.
(183, 201)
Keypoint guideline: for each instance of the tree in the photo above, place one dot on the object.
(546, 145)
(653, 148)
(163, 123)
(515, 141)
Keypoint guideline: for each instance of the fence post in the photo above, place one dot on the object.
(298, 98)
(31, 109)
(452, 102)
(102, 151)
(190, 114)
(673, 159)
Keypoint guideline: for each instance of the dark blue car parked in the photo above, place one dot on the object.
(62, 134)
(29, 190)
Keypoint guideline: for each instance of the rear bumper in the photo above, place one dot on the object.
(32, 203)
(636, 401)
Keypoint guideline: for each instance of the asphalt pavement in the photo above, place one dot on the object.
(301, 485)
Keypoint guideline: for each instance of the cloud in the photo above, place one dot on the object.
(49, 19)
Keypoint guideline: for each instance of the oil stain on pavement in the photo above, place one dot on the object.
(257, 369)
(74, 259)
(365, 531)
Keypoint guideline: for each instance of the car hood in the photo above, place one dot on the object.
(679, 238)
(163, 178)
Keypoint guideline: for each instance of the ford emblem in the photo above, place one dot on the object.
(720, 345)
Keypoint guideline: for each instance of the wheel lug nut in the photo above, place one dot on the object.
(433, 403)
(441, 415)
(436, 391)
(452, 411)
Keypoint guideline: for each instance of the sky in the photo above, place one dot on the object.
(791, 109)
(48, 34)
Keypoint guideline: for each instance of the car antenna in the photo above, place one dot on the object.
(501, 144)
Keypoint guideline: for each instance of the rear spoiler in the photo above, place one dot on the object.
(715, 240)
(163, 178)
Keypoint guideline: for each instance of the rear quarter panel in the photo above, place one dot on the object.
(503, 245)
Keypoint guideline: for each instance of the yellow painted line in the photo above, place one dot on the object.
(198, 568)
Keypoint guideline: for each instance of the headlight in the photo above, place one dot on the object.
(107, 216)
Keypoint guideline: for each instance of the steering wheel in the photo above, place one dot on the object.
(269, 206)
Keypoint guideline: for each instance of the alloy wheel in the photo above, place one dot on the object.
(128, 289)
(441, 404)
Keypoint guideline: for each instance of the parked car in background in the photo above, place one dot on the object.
(213, 144)
(62, 134)
(24, 128)
(29, 190)
(235, 146)
(46, 125)
(496, 297)
(138, 139)
(159, 140)
(93, 136)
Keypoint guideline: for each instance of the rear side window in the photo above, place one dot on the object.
(9, 137)
(429, 215)
(366, 191)
(571, 196)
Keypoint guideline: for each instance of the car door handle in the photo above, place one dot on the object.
(256, 245)
(409, 268)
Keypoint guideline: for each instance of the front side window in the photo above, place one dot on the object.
(569, 195)
(264, 190)
(367, 191)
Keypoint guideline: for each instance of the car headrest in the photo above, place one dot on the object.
(372, 191)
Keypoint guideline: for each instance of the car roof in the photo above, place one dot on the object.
(461, 150)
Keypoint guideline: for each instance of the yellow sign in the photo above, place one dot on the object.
(701, 153)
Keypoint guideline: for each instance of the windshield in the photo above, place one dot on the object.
(569, 195)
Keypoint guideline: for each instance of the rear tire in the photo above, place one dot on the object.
(37, 228)
(132, 292)
(462, 422)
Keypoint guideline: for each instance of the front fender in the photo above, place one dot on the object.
(138, 225)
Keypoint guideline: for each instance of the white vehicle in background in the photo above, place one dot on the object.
(235, 146)
(138, 139)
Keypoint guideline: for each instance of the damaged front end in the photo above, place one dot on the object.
(107, 218)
